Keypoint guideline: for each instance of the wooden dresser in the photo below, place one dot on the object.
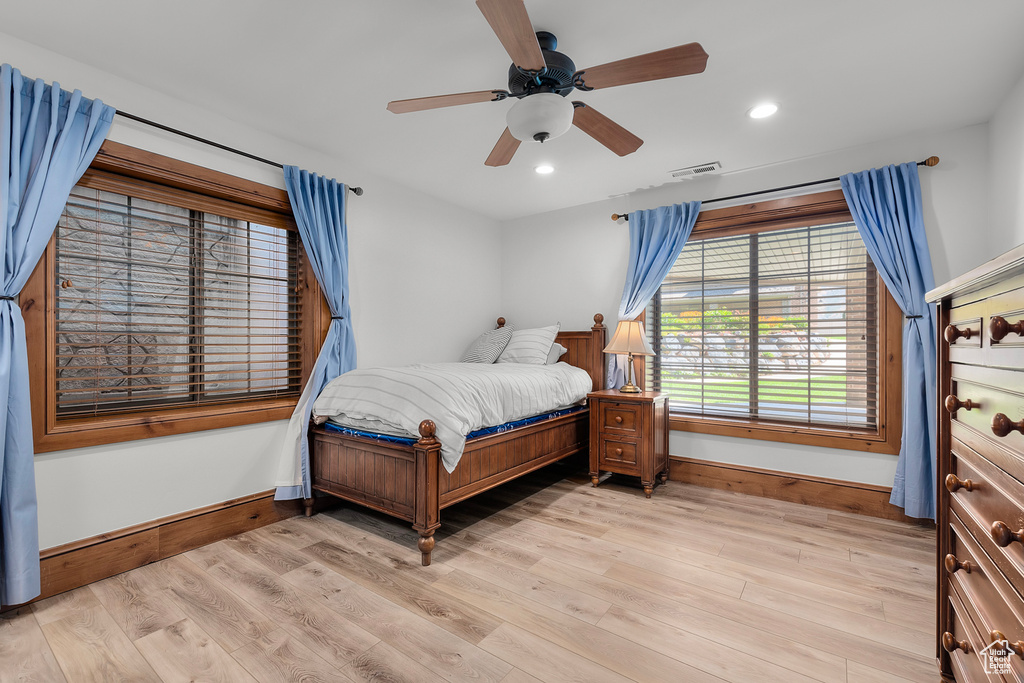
(981, 472)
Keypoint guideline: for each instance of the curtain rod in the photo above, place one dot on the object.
(930, 161)
(358, 191)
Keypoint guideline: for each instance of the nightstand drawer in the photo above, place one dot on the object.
(618, 452)
(620, 417)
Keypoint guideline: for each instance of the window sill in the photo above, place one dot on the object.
(95, 431)
(884, 440)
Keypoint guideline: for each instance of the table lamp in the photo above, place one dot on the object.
(629, 339)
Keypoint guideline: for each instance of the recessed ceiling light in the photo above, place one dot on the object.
(763, 110)
(544, 169)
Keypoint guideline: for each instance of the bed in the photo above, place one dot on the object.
(408, 481)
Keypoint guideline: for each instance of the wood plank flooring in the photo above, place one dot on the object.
(544, 579)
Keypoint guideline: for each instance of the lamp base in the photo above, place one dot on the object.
(630, 389)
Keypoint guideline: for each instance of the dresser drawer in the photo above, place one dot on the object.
(990, 401)
(618, 452)
(620, 417)
(988, 332)
(1006, 321)
(993, 605)
(964, 644)
(989, 503)
(965, 333)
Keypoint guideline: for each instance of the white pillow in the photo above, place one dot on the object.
(555, 352)
(529, 347)
(488, 346)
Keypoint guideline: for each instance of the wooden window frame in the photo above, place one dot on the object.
(795, 212)
(120, 168)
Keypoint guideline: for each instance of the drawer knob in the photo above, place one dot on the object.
(950, 643)
(954, 404)
(618, 451)
(952, 333)
(1003, 535)
(955, 483)
(954, 565)
(618, 419)
(1002, 425)
(1017, 648)
(999, 328)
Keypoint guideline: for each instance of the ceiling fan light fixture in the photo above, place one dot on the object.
(541, 116)
(763, 110)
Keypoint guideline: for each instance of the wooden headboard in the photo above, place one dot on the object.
(586, 349)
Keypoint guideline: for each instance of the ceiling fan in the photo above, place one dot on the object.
(541, 78)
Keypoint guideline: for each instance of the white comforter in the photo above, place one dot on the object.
(459, 397)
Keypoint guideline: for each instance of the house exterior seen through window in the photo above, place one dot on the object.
(780, 327)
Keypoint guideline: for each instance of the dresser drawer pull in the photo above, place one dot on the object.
(618, 419)
(952, 333)
(954, 565)
(1003, 535)
(618, 451)
(1017, 648)
(1002, 425)
(950, 643)
(999, 328)
(955, 483)
(954, 404)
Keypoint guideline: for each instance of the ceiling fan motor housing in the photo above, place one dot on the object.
(557, 78)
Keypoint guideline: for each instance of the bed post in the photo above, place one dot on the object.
(597, 351)
(427, 513)
(307, 503)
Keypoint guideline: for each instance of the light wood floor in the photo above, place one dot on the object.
(544, 579)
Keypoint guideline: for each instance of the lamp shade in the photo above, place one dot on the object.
(540, 116)
(629, 337)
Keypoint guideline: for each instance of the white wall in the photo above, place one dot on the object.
(425, 280)
(566, 265)
(1006, 153)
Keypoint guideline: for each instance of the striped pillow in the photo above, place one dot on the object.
(488, 346)
(529, 346)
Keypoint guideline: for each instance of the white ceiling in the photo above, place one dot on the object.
(320, 73)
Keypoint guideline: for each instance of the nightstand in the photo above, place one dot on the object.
(629, 435)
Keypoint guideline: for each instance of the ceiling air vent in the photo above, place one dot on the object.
(700, 169)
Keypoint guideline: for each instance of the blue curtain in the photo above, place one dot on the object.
(886, 206)
(48, 138)
(319, 208)
(656, 236)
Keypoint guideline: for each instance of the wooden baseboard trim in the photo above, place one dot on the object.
(834, 494)
(80, 563)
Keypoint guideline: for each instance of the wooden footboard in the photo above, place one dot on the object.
(399, 480)
(409, 482)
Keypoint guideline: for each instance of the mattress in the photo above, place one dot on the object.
(461, 398)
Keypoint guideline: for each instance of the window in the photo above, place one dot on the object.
(170, 308)
(773, 323)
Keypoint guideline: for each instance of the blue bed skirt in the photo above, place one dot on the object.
(408, 441)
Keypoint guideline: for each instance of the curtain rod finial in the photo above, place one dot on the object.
(357, 191)
(931, 161)
(617, 216)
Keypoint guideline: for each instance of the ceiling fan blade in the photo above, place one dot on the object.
(503, 151)
(422, 103)
(512, 25)
(675, 61)
(604, 130)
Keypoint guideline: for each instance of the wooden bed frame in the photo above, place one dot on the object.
(409, 482)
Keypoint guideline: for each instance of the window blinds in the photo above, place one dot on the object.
(159, 305)
(780, 326)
